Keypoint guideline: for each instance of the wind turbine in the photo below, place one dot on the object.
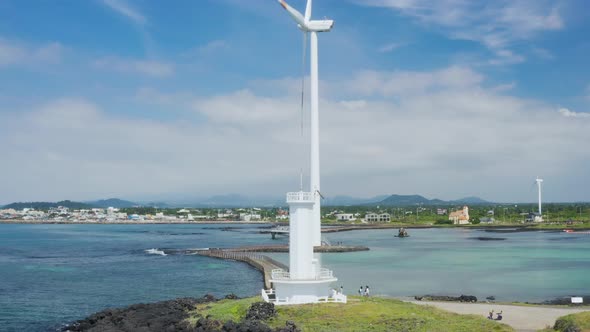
(539, 181)
(312, 27)
(306, 281)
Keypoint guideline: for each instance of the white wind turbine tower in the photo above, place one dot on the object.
(540, 216)
(306, 281)
(312, 27)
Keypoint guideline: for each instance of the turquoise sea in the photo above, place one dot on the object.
(54, 274)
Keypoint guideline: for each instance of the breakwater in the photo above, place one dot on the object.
(251, 256)
(260, 262)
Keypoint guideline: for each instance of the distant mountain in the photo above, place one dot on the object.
(113, 202)
(349, 201)
(235, 200)
(164, 205)
(471, 200)
(406, 200)
(47, 205)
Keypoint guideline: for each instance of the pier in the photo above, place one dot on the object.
(279, 230)
(251, 256)
(284, 230)
(260, 262)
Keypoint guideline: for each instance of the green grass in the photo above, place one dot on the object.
(360, 314)
(223, 310)
(580, 320)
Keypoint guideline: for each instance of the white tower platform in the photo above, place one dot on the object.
(306, 281)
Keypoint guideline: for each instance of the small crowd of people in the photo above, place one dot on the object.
(336, 292)
(498, 315)
(364, 292)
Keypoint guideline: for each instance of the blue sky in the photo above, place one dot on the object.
(145, 99)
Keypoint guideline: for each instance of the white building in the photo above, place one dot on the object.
(250, 216)
(374, 217)
(345, 217)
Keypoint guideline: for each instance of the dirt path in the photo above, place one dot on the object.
(521, 318)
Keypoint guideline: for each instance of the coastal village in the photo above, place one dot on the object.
(428, 215)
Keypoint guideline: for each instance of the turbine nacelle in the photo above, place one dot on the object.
(303, 22)
(318, 26)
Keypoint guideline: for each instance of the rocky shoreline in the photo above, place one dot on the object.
(462, 298)
(171, 316)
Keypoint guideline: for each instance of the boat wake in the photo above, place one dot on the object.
(155, 251)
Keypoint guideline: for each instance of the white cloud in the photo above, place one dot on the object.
(10, 54)
(543, 53)
(354, 104)
(506, 57)
(122, 8)
(497, 25)
(570, 114)
(14, 53)
(440, 134)
(145, 67)
(390, 47)
(213, 46)
(371, 83)
(244, 108)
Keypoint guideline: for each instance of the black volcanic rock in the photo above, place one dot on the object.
(160, 316)
(486, 238)
(462, 298)
(170, 316)
(261, 311)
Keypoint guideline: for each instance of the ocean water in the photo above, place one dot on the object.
(525, 266)
(54, 274)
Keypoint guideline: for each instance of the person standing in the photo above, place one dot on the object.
(341, 289)
(367, 290)
(361, 293)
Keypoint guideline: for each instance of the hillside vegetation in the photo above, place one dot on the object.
(579, 322)
(360, 314)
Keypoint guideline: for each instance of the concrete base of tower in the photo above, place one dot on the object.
(288, 291)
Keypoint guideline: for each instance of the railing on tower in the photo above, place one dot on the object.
(280, 274)
(300, 196)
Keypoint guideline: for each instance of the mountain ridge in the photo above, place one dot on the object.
(405, 200)
(236, 200)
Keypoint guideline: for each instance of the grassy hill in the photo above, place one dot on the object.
(574, 322)
(360, 314)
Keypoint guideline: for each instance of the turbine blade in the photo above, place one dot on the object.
(294, 13)
(308, 11)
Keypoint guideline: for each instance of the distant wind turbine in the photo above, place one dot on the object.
(539, 181)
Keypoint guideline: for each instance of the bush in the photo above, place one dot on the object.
(443, 222)
(566, 324)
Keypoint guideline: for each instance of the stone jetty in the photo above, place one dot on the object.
(251, 256)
